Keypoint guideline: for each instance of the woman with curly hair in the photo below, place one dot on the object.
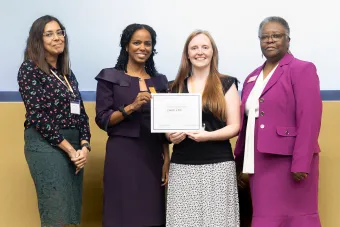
(136, 162)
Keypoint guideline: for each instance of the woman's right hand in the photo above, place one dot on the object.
(176, 137)
(68, 148)
(81, 160)
(72, 154)
(77, 157)
(74, 157)
(142, 98)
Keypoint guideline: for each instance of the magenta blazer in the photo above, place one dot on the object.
(290, 110)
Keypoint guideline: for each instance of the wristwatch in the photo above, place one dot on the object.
(87, 145)
(122, 110)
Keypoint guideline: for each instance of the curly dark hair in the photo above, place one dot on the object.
(123, 58)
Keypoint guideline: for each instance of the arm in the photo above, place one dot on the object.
(239, 146)
(233, 121)
(308, 103)
(232, 100)
(34, 100)
(104, 106)
(80, 158)
(166, 164)
(84, 126)
(166, 152)
(105, 115)
(68, 148)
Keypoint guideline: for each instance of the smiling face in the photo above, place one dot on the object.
(53, 39)
(274, 41)
(140, 47)
(200, 51)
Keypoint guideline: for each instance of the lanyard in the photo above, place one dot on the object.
(68, 84)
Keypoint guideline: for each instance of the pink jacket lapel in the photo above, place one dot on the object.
(278, 72)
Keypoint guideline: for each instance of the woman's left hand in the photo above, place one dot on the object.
(199, 136)
(165, 172)
(299, 176)
(242, 180)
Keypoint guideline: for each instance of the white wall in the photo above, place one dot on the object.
(94, 29)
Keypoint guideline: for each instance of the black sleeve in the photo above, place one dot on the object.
(227, 82)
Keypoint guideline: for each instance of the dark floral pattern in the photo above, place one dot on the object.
(47, 103)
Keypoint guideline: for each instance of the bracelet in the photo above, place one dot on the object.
(87, 145)
(122, 110)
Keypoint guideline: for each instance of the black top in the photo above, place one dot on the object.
(198, 153)
(47, 102)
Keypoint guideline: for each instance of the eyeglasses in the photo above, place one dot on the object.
(274, 37)
(59, 33)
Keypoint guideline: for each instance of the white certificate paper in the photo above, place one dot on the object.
(176, 112)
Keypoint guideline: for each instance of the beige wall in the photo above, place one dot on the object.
(17, 195)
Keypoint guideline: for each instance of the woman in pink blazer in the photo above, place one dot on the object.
(278, 142)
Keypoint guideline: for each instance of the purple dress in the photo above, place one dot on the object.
(274, 192)
(133, 195)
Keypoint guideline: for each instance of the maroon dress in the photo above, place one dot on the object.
(133, 195)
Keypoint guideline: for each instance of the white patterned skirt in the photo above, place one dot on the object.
(202, 196)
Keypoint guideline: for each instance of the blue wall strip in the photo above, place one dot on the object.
(90, 96)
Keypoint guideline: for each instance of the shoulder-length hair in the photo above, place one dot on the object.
(35, 50)
(213, 97)
(126, 36)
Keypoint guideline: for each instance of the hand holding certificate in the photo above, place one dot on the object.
(180, 112)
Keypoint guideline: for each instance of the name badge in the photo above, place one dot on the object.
(251, 79)
(152, 90)
(75, 107)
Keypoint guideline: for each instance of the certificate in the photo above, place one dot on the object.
(176, 112)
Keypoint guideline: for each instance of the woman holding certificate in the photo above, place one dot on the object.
(136, 160)
(202, 179)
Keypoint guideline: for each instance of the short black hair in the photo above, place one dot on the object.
(279, 20)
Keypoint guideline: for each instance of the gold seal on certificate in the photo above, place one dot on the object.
(176, 112)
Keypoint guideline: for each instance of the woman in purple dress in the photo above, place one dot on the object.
(137, 161)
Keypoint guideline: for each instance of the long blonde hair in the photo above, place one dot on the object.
(213, 97)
